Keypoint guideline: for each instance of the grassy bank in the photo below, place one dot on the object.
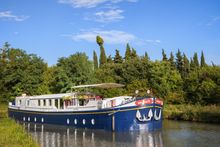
(12, 134)
(208, 114)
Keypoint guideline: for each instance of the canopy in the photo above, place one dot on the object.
(102, 85)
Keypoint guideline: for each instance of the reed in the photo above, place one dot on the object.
(11, 133)
(199, 113)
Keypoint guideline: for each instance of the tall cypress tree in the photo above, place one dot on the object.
(100, 42)
(195, 60)
(186, 66)
(164, 55)
(118, 57)
(203, 63)
(128, 52)
(133, 53)
(146, 56)
(179, 61)
(171, 60)
(95, 60)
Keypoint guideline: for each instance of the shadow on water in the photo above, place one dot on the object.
(61, 136)
(174, 133)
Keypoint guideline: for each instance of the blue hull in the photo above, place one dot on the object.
(115, 119)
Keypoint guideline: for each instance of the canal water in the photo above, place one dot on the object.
(173, 134)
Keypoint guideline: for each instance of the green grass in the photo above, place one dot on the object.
(3, 111)
(13, 134)
(208, 114)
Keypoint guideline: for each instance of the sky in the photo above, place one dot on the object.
(58, 28)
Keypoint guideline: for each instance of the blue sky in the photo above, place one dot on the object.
(57, 28)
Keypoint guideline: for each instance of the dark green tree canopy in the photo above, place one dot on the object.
(195, 60)
(203, 63)
(118, 57)
(174, 80)
(171, 60)
(103, 58)
(77, 68)
(95, 60)
(164, 55)
(128, 52)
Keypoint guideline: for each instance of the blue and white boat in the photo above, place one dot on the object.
(87, 110)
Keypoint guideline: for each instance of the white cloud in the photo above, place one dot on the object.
(109, 36)
(153, 41)
(82, 3)
(90, 3)
(9, 16)
(108, 16)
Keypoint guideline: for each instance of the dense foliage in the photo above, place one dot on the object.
(175, 78)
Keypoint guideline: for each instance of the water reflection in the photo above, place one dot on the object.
(61, 136)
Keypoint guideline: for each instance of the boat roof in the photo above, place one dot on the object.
(102, 85)
(47, 96)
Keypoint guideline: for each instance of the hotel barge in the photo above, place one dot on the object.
(87, 110)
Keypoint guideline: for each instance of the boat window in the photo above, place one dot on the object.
(38, 102)
(83, 102)
(28, 102)
(44, 102)
(56, 103)
(50, 103)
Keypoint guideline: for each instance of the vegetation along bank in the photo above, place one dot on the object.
(13, 134)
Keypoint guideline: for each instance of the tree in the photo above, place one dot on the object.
(195, 60)
(146, 56)
(4, 52)
(127, 52)
(203, 63)
(164, 55)
(133, 53)
(179, 61)
(203, 86)
(186, 66)
(118, 57)
(102, 59)
(22, 74)
(95, 60)
(77, 68)
(171, 60)
(166, 82)
(109, 59)
(100, 42)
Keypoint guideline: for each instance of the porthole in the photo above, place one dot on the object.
(68, 121)
(42, 119)
(23, 118)
(84, 121)
(28, 118)
(75, 121)
(35, 119)
(93, 121)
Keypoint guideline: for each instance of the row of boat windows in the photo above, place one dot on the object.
(75, 121)
(58, 102)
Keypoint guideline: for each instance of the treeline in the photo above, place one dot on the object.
(177, 79)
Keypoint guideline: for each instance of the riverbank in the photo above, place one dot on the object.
(11, 133)
(197, 113)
